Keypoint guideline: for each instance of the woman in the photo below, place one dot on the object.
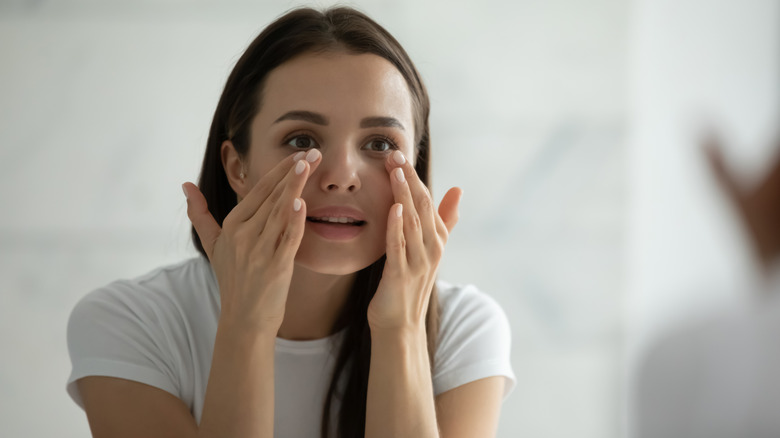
(314, 310)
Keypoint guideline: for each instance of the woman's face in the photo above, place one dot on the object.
(356, 109)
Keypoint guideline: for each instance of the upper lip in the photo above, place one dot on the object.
(337, 211)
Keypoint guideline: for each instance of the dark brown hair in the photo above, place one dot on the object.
(295, 33)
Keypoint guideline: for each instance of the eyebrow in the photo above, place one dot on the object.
(386, 122)
(306, 116)
(319, 119)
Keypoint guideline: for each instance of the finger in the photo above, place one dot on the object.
(421, 197)
(276, 215)
(266, 185)
(204, 223)
(296, 175)
(448, 208)
(395, 242)
(412, 225)
(290, 239)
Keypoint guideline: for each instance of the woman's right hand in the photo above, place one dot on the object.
(252, 254)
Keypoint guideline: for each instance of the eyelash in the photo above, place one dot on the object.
(298, 135)
(391, 142)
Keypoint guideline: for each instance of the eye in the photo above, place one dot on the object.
(381, 145)
(302, 142)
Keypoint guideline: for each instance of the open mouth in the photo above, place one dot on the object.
(347, 221)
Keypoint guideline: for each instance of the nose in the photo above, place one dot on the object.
(338, 171)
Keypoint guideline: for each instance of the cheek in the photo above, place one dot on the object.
(379, 190)
(264, 158)
(261, 167)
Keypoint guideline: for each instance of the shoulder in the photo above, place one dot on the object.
(193, 272)
(465, 308)
(157, 305)
(139, 329)
(474, 339)
(147, 295)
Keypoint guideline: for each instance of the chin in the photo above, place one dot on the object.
(334, 262)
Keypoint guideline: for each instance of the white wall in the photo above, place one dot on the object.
(105, 109)
(696, 65)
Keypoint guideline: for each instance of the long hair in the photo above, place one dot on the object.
(311, 31)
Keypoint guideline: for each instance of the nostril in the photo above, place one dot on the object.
(350, 188)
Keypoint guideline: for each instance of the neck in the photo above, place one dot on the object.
(314, 303)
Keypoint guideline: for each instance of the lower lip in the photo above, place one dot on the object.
(335, 231)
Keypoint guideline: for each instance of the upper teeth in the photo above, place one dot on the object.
(340, 220)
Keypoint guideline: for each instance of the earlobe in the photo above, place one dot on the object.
(234, 168)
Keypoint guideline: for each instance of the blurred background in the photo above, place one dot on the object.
(572, 126)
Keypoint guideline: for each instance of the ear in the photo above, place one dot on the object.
(234, 167)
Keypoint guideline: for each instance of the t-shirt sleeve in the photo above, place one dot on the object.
(474, 340)
(112, 334)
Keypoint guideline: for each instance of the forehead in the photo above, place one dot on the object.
(339, 85)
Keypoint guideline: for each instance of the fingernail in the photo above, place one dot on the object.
(312, 155)
(399, 210)
(399, 174)
(398, 157)
(184, 189)
(297, 204)
(299, 167)
(298, 156)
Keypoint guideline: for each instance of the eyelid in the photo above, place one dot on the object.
(392, 142)
(387, 138)
(300, 133)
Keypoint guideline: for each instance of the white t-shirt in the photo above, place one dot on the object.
(159, 329)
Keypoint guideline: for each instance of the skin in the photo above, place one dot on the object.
(277, 278)
(353, 169)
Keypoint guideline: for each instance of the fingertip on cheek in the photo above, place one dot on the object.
(313, 155)
(398, 158)
(399, 175)
(300, 167)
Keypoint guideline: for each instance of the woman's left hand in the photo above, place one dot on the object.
(416, 235)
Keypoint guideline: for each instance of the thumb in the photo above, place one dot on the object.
(198, 211)
(448, 208)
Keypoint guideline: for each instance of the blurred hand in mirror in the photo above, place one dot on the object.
(758, 206)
